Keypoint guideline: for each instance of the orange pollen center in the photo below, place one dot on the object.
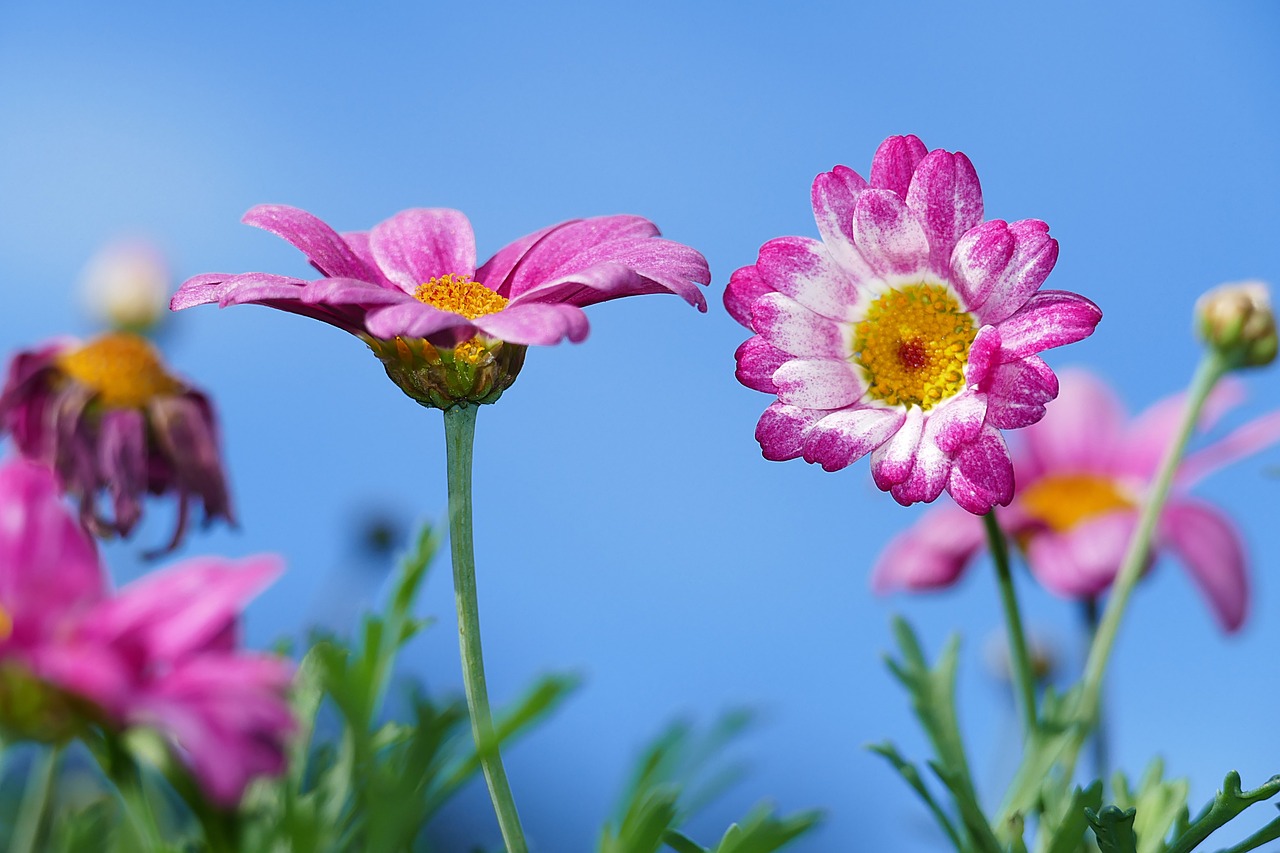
(6, 624)
(123, 369)
(461, 295)
(1063, 501)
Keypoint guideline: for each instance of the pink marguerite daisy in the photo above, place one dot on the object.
(1083, 472)
(911, 331)
(446, 329)
(161, 653)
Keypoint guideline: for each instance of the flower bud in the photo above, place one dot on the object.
(475, 371)
(126, 286)
(1236, 319)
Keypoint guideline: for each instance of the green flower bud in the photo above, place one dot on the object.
(475, 371)
(1236, 319)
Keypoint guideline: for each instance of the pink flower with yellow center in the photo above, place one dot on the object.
(109, 418)
(911, 331)
(447, 330)
(160, 653)
(1083, 472)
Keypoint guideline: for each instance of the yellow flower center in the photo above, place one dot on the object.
(913, 344)
(122, 368)
(462, 295)
(1064, 500)
(6, 624)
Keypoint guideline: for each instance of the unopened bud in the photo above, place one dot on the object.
(126, 286)
(1236, 319)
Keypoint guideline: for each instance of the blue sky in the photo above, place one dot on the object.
(627, 527)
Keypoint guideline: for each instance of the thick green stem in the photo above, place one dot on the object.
(1211, 369)
(459, 437)
(1101, 762)
(35, 801)
(1023, 678)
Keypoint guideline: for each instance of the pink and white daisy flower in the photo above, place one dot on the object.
(911, 331)
(1083, 472)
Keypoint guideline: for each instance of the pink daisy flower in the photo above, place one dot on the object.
(446, 329)
(161, 653)
(1083, 472)
(911, 331)
(111, 420)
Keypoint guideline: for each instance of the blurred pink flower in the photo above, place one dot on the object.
(108, 417)
(1082, 474)
(910, 331)
(413, 279)
(161, 653)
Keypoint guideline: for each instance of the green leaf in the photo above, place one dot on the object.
(1159, 803)
(912, 776)
(1270, 832)
(761, 832)
(1113, 828)
(1069, 818)
(1229, 802)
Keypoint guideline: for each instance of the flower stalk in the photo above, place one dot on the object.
(459, 433)
(35, 801)
(1023, 676)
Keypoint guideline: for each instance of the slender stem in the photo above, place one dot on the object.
(1211, 369)
(1023, 677)
(1101, 759)
(459, 437)
(35, 801)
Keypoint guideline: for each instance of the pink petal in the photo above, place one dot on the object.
(414, 319)
(122, 461)
(535, 323)
(559, 250)
(819, 383)
(835, 195)
(628, 266)
(947, 200)
(1083, 561)
(802, 269)
(889, 235)
(895, 162)
(947, 427)
(1018, 391)
(745, 286)
(1051, 318)
(782, 429)
(930, 554)
(997, 267)
(351, 291)
(1209, 545)
(843, 437)
(496, 272)
(328, 252)
(1243, 442)
(420, 244)
(891, 463)
(982, 473)
(757, 361)
(793, 328)
(1078, 431)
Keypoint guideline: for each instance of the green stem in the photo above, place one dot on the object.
(1211, 369)
(1101, 759)
(35, 801)
(1023, 677)
(459, 437)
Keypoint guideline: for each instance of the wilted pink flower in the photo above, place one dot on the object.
(911, 331)
(108, 417)
(161, 653)
(1082, 474)
(413, 281)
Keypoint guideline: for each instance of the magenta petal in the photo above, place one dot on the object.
(781, 430)
(996, 267)
(200, 289)
(835, 195)
(957, 421)
(845, 436)
(892, 462)
(414, 319)
(328, 252)
(947, 427)
(757, 361)
(745, 287)
(1207, 542)
(819, 383)
(350, 291)
(982, 473)
(122, 462)
(1083, 561)
(535, 323)
(496, 272)
(1051, 318)
(1079, 430)
(564, 249)
(802, 269)
(1017, 392)
(889, 235)
(895, 162)
(947, 199)
(984, 356)
(1242, 442)
(793, 328)
(420, 244)
(622, 267)
(931, 554)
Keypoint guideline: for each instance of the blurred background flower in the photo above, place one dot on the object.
(126, 286)
(696, 576)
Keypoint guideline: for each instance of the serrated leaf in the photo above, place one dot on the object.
(1226, 805)
(1113, 828)
(911, 774)
(1069, 821)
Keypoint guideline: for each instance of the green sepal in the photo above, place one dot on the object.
(1113, 827)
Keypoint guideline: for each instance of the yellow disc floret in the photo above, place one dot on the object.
(461, 295)
(914, 344)
(1064, 500)
(122, 368)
